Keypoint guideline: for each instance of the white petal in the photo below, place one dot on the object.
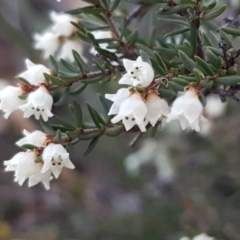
(9, 100)
(125, 79)
(128, 64)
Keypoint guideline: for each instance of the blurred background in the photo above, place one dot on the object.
(179, 183)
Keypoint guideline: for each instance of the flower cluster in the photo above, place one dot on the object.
(141, 104)
(59, 38)
(39, 164)
(32, 98)
(134, 107)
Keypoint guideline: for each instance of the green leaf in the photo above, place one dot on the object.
(23, 80)
(187, 61)
(86, 10)
(214, 13)
(113, 131)
(78, 114)
(231, 31)
(29, 146)
(53, 64)
(166, 93)
(64, 122)
(47, 127)
(160, 61)
(145, 57)
(91, 145)
(199, 74)
(176, 86)
(97, 119)
(212, 58)
(79, 61)
(147, 50)
(203, 100)
(93, 80)
(173, 10)
(89, 136)
(133, 37)
(193, 38)
(205, 66)
(58, 136)
(69, 66)
(173, 21)
(55, 80)
(104, 104)
(167, 53)
(63, 99)
(180, 81)
(79, 89)
(176, 32)
(154, 129)
(229, 80)
(115, 5)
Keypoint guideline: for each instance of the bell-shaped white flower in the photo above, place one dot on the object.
(188, 110)
(117, 99)
(157, 108)
(39, 103)
(47, 42)
(55, 157)
(132, 112)
(62, 24)
(24, 166)
(36, 138)
(65, 51)
(102, 35)
(9, 100)
(34, 73)
(139, 73)
(38, 177)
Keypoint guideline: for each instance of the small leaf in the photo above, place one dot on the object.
(91, 145)
(63, 99)
(204, 65)
(29, 146)
(113, 131)
(78, 59)
(95, 116)
(176, 32)
(166, 93)
(78, 113)
(154, 129)
(65, 123)
(175, 9)
(23, 80)
(47, 127)
(203, 100)
(115, 5)
(70, 150)
(58, 136)
(187, 61)
(176, 86)
(78, 90)
(53, 64)
(193, 38)
(199, 74)
(214, 13)
(229, 80)
(180, 81)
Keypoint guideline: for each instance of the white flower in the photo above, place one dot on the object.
(132, 111)
(188, 110)
(38, 177)
(39, 103)
(102, 35)
(66, 49)
(55, 157)
(24, 165)
(34, 74)
(157, 108)
(48, 42)
(62, 24)
(118, 98)
(139, 73)
(9, 100)
(202, 236)
(36, 138)
(215, 107)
